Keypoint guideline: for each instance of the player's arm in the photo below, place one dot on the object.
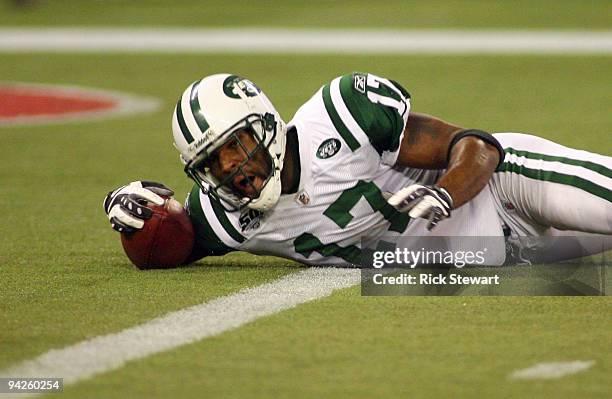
(469, 160)
(207, 240)
(469, 156)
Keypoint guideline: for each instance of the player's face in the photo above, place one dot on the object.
(231, 164)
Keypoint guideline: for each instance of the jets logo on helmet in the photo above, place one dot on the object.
(211, 112)
(233, 83)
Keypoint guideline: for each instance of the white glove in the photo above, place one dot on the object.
(126, 207)
(428, 202)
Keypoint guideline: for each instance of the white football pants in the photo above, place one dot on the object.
(545, 189)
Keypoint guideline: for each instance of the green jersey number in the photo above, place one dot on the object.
(339, 213)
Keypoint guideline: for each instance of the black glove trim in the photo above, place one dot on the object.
(445, 196)
(117, 225)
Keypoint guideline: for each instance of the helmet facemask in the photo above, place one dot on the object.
(263, 130)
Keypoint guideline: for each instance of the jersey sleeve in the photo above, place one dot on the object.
(207, 241)
(368, 110)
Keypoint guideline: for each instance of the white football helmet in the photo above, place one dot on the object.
(209, 113)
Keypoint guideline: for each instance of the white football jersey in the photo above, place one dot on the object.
(349, 136)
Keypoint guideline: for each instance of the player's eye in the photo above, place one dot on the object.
(211, 160)
(233, 144)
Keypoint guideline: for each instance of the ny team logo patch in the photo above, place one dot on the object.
(328, 148)
(35, 104)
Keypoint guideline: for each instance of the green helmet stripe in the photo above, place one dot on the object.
(181, 121)
(196, 110)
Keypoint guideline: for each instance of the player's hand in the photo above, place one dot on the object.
(126, 206)
(428, 202)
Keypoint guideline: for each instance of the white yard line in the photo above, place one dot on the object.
(347, 41)
(109, 352)
(553, 370)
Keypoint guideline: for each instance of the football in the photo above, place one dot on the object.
(165, 241)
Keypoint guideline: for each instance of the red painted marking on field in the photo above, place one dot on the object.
(15, 101)
(39, 104)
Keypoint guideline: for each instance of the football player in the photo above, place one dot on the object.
(354, 165)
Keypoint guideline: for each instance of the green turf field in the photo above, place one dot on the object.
(65, 279)
(399, 14)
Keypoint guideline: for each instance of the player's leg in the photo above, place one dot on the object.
(542, 184)
(574, 244)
